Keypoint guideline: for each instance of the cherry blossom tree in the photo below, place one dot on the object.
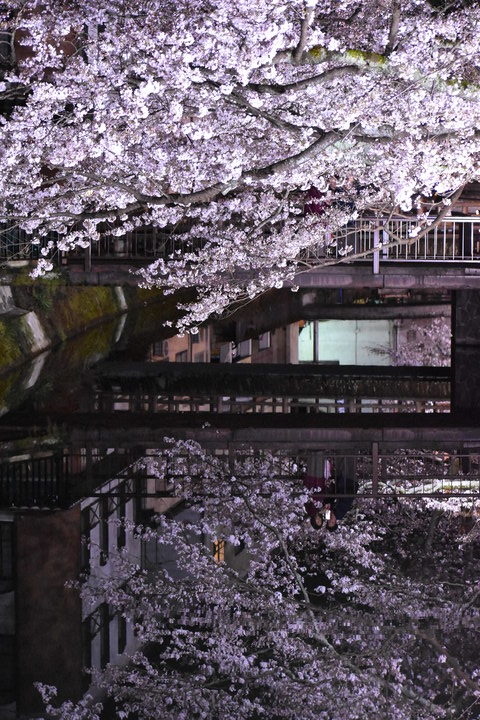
(380, 619)
(431, 345)
(211, 123)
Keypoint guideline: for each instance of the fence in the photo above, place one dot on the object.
(453, 240)
(235, 404)
(60, 480)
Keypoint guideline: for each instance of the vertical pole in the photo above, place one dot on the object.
(376, 253)
(315, 341)
(88, 258)
(375, 469)
(385, 241)
(231, 459)
(88, 462)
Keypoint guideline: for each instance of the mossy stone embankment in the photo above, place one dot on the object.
(75, 309)
(55, 312)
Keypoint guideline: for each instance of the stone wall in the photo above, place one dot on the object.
(34, 317)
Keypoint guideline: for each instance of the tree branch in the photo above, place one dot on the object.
(333, 74)
(237, 98)
(388, 246)
(450, 659)
(394, 25)
(403, 690)
(298, 52)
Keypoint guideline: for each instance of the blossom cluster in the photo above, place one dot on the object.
(210, 123)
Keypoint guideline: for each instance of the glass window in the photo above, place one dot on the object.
(244, 349)
(160, 348)
(198, 337)
(264, 341)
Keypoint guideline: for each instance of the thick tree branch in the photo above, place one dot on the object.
(277, 122)
(321, 78)
(297, 55)
(394, 25)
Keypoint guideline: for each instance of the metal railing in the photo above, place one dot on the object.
(58, 481)
(454, 239)
(16, 244)
(142, 244)
(364, 474)
(153, 403)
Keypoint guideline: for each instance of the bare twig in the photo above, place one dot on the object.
(451, 660)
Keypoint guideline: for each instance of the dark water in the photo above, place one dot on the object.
(76, 420)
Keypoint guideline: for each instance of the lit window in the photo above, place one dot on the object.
(219, 550)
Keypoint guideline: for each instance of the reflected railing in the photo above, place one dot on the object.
(148, 403)
(65, 478)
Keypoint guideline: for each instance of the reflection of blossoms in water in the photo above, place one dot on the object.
(431, 345)
(356, 619)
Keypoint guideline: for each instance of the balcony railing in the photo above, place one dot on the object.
(453, 240)
(122, 402)
(60, 481)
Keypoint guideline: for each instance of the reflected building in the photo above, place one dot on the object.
(248, 387)
(47, 633)
(190, 347)
(65, 523)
